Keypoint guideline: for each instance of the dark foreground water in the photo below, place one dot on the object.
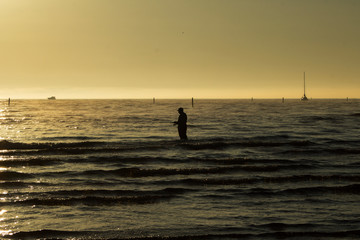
(103, 169)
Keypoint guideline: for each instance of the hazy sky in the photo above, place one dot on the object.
(179, 48)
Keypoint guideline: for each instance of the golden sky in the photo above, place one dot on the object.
(179, 48)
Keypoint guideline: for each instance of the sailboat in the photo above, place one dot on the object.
(304, 98)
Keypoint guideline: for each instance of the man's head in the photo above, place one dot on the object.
(180, 110)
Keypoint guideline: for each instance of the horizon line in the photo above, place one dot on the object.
(188, 98)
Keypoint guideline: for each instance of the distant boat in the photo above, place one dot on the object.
(52, 98)
(304, 98)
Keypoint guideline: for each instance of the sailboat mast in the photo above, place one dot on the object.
(304, 98)
(304, 83)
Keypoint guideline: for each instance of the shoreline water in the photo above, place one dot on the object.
(95, 169)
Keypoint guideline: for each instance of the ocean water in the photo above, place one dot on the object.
(115, 169)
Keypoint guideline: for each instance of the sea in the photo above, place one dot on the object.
(116, 169)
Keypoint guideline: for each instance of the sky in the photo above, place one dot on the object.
(179, 48)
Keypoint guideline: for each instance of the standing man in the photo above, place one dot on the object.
(181, 122)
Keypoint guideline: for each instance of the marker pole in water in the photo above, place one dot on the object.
(192, 102)
(283, 100)
(9, 102)
(153, 100)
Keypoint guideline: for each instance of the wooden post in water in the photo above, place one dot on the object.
(283, 100)
(192, 102)
(9, 102)
(153, 100)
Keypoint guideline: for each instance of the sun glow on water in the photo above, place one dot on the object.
(2, 212)
(3, 232)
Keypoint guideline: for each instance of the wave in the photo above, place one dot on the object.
(355, 114)
(348, 189)
(222, 164)
(152, 145)
(244, 143)
(70, 138)
(94, 197)
(4, 144)
(119, 160)
(282, 226)
(75, 148)
(351, 142)
(138, 172)
(285, 144)
(135, 172)
(353, 189)
(11, 175)
(29, 162)
(324, 151)
(262, 192)
(15, 185)
(333, 118)
(103, 192)
(91, 200)
(345, 151)
(269, 180)
(19, 184)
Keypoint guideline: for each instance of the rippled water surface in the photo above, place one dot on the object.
(262, 169)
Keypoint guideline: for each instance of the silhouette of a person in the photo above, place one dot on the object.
(181, 122)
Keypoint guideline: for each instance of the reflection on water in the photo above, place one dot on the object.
(3, 232)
